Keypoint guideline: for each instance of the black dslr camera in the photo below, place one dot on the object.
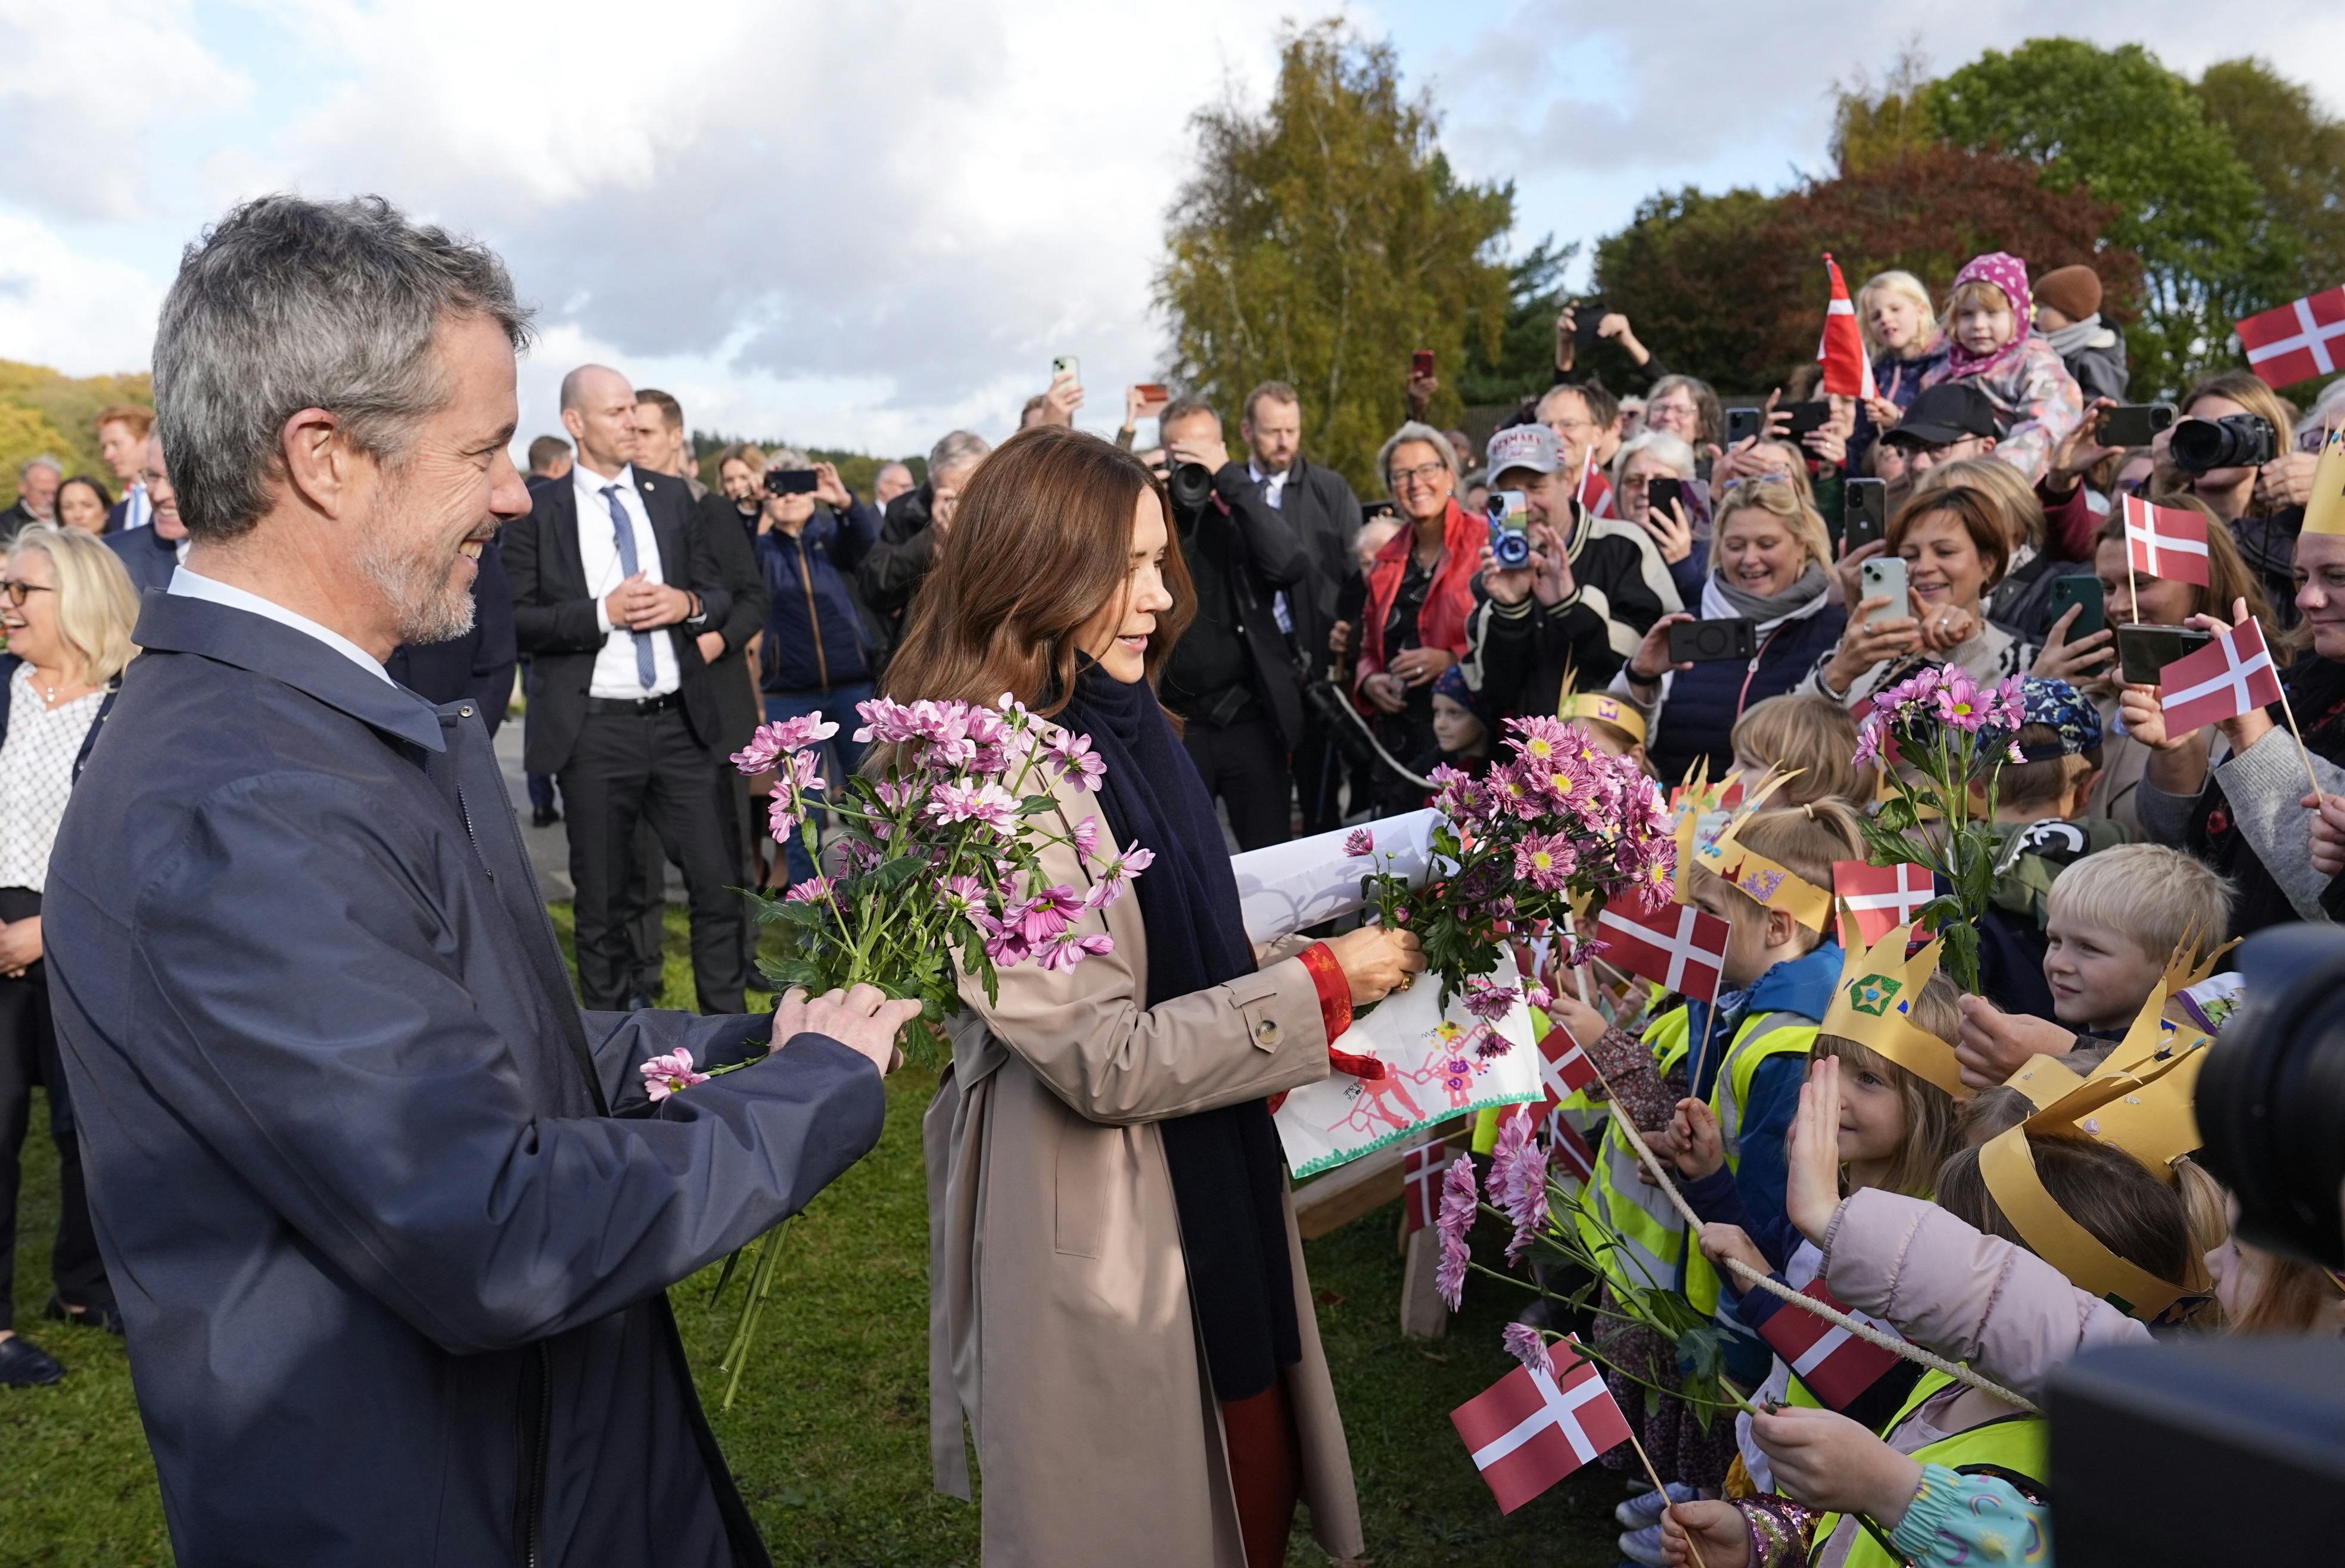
(2233, 442)
(1189, 487)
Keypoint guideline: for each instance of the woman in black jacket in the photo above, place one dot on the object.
(811, 535)
(66, 605)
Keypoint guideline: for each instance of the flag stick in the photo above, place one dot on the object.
(1708, 1022)
(1903, 1349)
(1691, 1545)
(2303, 755)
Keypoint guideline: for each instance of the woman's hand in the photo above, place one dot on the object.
(2079, 449)
(1716, 1529)
(1721, 1242)
(1944, 628)
(1421, 666)
(1693, 1130)
(1376, 962)
(1993, 1043)
(2328, 833)
(20, 945)
(2076, 661)
(2145, 721)
(1672, 531)
(1863, 644)
(1384, 691)
(1848, 580)
(1827, 1461)
(1139, 405)
(1812, 1175)
(1650, 662)
(2286, 480)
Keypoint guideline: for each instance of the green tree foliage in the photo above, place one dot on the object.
(2120, 125)
(1525, 362)
(2296, 154)
(856, 470)
(66, 425)
(1322, 242)
(1732, 289)
(1872, 125)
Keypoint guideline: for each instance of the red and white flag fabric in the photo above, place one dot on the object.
(2297, 341)
(2167, 542)
(1568, 1154)
(1848, 369)
(1680, 947)
(1882, 897)
(1564, 1067)
(2230, 676)
(1422, 1169)
(1835, 1364)
(1530, 1429)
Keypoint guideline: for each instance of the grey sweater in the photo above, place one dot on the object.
(2266, 788)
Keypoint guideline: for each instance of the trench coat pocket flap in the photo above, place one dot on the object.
(1257, 997)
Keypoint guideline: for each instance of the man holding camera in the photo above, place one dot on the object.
(1231, 676)
(613, 585)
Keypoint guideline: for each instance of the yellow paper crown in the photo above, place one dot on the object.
(2152, 1034)
(2324, 512)
(1696, 791)
(1604, 710)
(2008, 1164)
(1769, 882)
(1873, 1006)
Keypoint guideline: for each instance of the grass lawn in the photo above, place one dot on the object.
(830, 1435)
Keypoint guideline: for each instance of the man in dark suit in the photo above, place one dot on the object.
(1324, 516)
(613, 585)
(480, 664)
(388, 1217)
(36, 496)
(152, 553)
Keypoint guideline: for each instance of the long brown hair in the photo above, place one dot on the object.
(2103, 1189)
(1039, 544)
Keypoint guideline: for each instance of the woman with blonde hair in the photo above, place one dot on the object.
(1118, 1301)
(1770, 564)
(66, 605)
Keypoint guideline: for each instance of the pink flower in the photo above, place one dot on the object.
(1048, 913)
(1525, 1199)
(1359, 843)
(896, 794)
(813, 890)
(1538, 996)
(1529, 1346)
(1545, 861)
(1540, 740)
(1489, 1045)
(1086, 836)
(805, 771)
(781, 821)
(1004, 945)
(1075, 760)
(1487, 1001)
(963, 894)
(1114, 875)
(664, 1075)
(1458, 1197)
(1514, 1136)
(772, 741)
(1067, 949)
(988, 804)
(885, 722)
(1958, 701)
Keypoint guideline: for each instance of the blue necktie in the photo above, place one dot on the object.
(625, 528)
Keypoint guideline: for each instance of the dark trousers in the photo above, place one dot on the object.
(647, 889)
(632, 768)
(1244, 765)
(1319, 777)
(28, 1054)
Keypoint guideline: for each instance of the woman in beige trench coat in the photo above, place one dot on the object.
(1066, 1324)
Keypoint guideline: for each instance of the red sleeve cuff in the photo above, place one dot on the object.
(1336, 1009)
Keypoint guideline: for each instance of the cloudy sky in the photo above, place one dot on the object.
(860, 224)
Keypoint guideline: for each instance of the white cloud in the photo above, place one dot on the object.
(83, 314)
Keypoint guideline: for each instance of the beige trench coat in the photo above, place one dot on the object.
(1060, 1320)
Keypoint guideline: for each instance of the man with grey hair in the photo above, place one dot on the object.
(36, 496)
(388, 1217)
(915, 524)
(892, 481)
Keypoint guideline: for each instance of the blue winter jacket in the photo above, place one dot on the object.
(814, 635)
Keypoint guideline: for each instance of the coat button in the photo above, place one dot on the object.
(466, 712)
(1267, 1033)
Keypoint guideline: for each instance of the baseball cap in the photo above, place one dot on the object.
(2058, 706)
(1944, 414)
(1531, 446)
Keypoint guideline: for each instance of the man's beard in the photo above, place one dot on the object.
(426, 605)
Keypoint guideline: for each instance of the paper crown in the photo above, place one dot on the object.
(2324, 511)
(1604, 710)
(1874, 1003)
(1769, 882)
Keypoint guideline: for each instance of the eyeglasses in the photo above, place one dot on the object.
(16, 591)
(1757, 479)
(1417, 475)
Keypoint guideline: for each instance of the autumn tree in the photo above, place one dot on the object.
(1321, 241)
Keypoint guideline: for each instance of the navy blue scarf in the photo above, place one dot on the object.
(1225, 1163)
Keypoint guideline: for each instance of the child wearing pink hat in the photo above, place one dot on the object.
(1989, 344)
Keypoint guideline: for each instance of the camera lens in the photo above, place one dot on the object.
(2234, 440)
(2271, 1099)
(1191, 486)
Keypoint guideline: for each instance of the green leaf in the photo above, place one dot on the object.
(1035, 805)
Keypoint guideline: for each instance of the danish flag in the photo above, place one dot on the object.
(1848, 371)
(1883, 898)
(2230, 676)
(2168, 542)
(2297, 341)
(1564, 1067)
(1568, 1144)
(1684, 951)
(1421, 1172)
(1835, 1364)
(1529, 1429)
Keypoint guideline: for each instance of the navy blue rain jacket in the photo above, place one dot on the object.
(814, 633)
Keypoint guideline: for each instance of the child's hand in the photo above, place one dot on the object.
(1812, 1182)
(1827, 1461)
(1719, 1242)
(1994, 1043)
(1716, 1527)
(1693, 1132)
(1583, 1023)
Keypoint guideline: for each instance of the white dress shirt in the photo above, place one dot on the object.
(36, 766)
(194, 585)
(616, 674)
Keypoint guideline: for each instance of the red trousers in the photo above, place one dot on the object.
(1266, 1469)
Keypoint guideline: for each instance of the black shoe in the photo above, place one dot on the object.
(543, 815)
(97, 1315)
(24, 1365)
(640, 1002)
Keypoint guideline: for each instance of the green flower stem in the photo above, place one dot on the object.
(761, 1283)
